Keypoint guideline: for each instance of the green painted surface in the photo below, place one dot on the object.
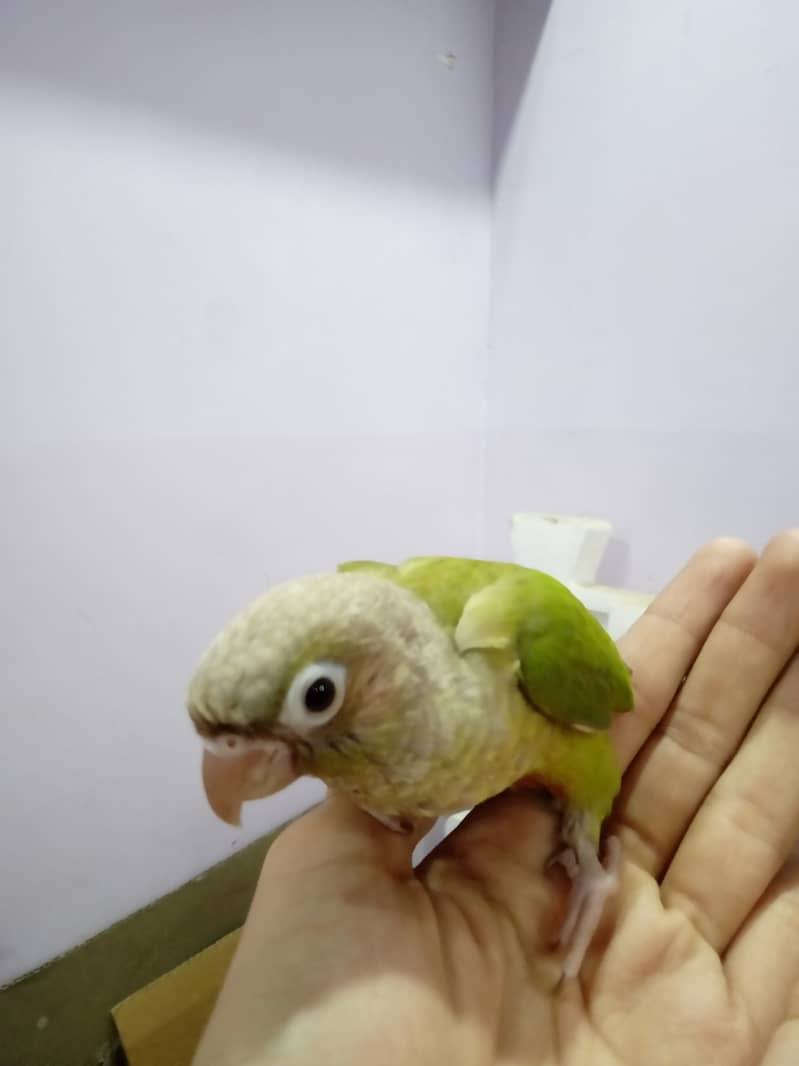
(60, 1015)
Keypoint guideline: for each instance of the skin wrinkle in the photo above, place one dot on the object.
(472, 894)
(749, 814)
(777, 652)
(449, 911)
(637, 840)
(698, 735)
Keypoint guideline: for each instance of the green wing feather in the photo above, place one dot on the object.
(569, 666)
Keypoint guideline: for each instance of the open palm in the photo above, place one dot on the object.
(351, 956)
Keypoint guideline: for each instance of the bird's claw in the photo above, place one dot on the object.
(592, 884)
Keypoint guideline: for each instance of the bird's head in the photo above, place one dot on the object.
(313, 663)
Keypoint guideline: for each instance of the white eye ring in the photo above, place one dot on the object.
(314, 697)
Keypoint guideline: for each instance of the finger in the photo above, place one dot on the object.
(762, 963)
(748, 825)
(738, 663)
(783, 1049)
(338, 831)
(663, 644)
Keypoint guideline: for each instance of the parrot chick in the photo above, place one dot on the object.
(421, 690)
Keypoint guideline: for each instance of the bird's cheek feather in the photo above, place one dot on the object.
(251, 773)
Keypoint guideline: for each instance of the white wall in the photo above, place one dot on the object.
(644, 360)
(244, 275)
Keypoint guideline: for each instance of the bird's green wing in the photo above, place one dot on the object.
(569, 667)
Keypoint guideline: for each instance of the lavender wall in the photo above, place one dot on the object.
(646, 253)
(244, 277)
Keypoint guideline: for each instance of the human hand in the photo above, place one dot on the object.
(350, 956)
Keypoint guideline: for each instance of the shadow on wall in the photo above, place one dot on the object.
(518, 31)
(319, 78)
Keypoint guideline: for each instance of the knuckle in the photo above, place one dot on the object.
(697, 733)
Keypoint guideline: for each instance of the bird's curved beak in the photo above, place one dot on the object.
(252, 771)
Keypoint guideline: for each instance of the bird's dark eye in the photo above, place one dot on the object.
(320, 695)
(314, 697)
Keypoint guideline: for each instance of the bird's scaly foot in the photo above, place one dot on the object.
(592, 884)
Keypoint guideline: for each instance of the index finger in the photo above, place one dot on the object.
(663, 644)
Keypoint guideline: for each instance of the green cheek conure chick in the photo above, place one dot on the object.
(421, 690)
